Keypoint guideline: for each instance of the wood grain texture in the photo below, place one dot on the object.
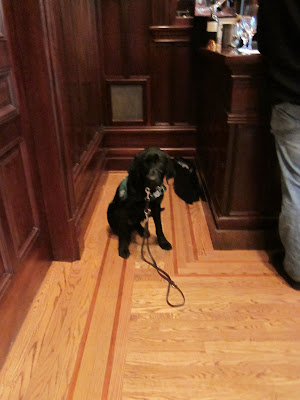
(24, 236)
(243, 189)
(28, 34)
(100, 328)
(42, 351)
(236, 338)
(142, 39)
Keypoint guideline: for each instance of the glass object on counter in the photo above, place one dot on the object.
(224, 14)
(235, 37)
(250, 25)
(202, 7)
(246, 29)
(225, 8)
(242, 33)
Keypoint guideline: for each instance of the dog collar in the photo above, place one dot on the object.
(159, 190)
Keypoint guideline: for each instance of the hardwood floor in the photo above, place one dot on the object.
(100, 328)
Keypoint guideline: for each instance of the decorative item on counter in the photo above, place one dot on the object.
(235, 38)
(212, 45)
(212, 26)
(247, 26)
(242, 33)
(202, 8)
(250, 26)
(250, 19)
(224, 8)
(219, 15)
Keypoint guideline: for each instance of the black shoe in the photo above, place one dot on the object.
(277, 261)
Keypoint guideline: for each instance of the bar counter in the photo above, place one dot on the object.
(235, 150)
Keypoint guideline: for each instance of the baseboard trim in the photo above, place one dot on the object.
(118, 159)
(165, 137)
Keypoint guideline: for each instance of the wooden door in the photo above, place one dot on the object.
(24, 244)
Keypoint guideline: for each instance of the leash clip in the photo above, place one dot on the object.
(147, 198)
(148, 191)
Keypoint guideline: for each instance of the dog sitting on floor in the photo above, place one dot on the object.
(126, 212)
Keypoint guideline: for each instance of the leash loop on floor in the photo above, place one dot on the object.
(161, 272)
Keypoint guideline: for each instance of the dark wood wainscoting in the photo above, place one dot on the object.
(123, 143)
(147, 56)
(55, 44)
(236, 151)
(171, 74)
(73, 43)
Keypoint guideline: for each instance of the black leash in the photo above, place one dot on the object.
(153, 264)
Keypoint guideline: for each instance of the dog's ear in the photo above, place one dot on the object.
(134, 169)
(170, 170)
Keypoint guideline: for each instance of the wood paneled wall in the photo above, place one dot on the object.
(51, 150)
(55, 43)
(171, 74)
(142, 40)
(73, 40)
(75, 24)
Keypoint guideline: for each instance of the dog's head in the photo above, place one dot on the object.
(150, 167)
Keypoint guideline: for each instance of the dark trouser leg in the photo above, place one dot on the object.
(285, 125)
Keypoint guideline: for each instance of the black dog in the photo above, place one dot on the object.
(126, 211)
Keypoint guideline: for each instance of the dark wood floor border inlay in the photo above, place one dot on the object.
(110, 358)
(87, 325)
(173, 234)
(195, 252)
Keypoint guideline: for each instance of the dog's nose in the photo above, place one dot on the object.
(152, 175)
(153, 180)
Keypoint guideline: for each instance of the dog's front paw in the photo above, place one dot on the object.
(164, 244)
(124, 252)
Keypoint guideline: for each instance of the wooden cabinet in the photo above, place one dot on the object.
(235, 148)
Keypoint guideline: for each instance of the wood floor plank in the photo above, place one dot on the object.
(113, 388)
(184, 244)
(17, 371)
(170, 257)
(236, 338)
(96, 350)
(235, 256)
(200, 229)
(212, 383)
(48, 357)
(100, 328)
(229, 268)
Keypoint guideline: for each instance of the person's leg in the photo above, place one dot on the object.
(285, 125)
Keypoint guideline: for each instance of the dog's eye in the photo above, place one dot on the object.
(152, 159)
